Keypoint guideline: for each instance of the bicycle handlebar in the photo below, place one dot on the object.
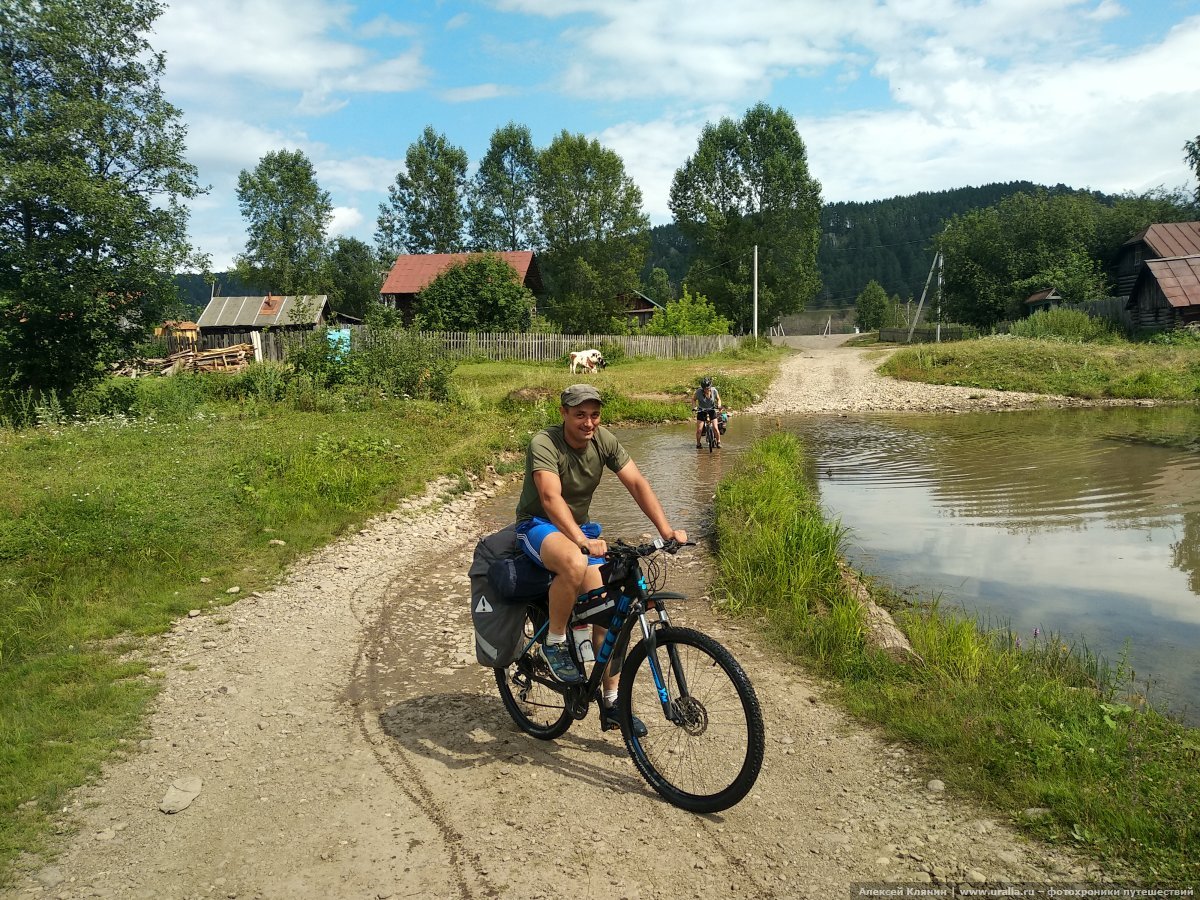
(620, 548)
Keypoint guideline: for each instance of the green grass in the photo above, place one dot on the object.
(1092, 371)
(107, 527)
(1019, 724)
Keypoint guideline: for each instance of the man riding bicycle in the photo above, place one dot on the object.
(707, 404)
(562, 470)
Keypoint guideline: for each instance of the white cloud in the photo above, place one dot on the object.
(652, 152)
(386, 26)
(459, 21)
(358, 174)
(345, 220)
(475, 92)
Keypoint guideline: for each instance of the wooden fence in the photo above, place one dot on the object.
(488, 345)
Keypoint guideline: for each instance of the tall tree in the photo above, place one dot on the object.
(92, 188)
(353, 277)
(287, 214)
(502, 214)
(424, 212)
(593, 229)
(748, 184)
(994, 256)
(1191, 155)
(871, 307)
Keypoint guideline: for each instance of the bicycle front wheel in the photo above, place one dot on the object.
(536, 707)
(707, 755)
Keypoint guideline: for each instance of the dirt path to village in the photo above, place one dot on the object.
(348, 746)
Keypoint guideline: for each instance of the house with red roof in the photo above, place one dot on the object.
(411, 273)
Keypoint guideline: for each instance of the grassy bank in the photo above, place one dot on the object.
(107, 527)
(1092, 371)
(1022, 725)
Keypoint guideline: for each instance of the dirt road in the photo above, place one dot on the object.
(348, 746)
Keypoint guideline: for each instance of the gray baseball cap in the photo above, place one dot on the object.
(580, 393)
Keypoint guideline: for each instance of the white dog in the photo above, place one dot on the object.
(588, 360)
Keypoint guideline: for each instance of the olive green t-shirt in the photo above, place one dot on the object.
(578, 470)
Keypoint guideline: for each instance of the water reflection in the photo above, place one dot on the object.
(1071, 520)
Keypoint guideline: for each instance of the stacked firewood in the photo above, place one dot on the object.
(219, 359)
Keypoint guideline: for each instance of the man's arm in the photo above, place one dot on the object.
(639, 488)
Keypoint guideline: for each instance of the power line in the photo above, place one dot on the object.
(878, 246)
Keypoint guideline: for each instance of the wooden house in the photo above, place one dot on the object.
(178, 332)
(231, 315)
(1044, 299)
(1163, 241)
(1166, 293)
(411, 273)
(639, 308)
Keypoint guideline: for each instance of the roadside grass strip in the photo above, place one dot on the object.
(1050, 735)
(1118, 371)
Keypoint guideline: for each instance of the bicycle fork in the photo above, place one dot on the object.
(670, 707)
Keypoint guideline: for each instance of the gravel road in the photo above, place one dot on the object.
(348, 746)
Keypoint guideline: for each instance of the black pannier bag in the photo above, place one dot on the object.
(499, 616)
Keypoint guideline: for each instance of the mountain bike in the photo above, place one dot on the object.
(704, 740)
(710, 430)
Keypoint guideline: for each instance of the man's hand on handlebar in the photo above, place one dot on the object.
(593, 546)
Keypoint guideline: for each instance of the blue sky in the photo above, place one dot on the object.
(891, 96)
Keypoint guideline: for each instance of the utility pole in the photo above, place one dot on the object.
(756, 293)
(913, 324)
(938, 339)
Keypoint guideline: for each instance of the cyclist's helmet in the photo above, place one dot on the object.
(705, 382)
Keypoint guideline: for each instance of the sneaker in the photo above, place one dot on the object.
(558, 659)
(697, 445)
(608, 721)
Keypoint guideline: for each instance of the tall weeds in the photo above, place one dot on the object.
(778, 556)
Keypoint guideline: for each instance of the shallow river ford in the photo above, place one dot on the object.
(1079, 522)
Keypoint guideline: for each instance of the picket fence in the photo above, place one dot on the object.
(526, 347)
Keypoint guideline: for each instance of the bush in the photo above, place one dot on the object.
(402, 364)
(1175, 337)
(112, 397)
(1062, 323)
(319, 360)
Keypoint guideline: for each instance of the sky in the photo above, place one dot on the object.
(891, 97)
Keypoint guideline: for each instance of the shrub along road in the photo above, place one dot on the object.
(347, 745)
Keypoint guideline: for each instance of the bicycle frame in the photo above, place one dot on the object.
(632, 606)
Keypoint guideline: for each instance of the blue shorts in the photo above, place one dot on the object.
(532, 532)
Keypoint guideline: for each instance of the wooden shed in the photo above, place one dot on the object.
(1163, 241)
(1044, 299)
(229, 315)
(1167, 294)
(412, 272)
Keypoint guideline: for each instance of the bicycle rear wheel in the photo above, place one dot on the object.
(709, 758)
(537, 708)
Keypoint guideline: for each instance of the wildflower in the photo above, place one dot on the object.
(1018, 642)
(1036, 632)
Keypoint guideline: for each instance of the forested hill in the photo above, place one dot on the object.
(195, 292)
(885, 240)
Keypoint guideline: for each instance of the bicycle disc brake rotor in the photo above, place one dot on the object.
(693, 717)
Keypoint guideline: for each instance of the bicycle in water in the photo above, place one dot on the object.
(704, 742)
